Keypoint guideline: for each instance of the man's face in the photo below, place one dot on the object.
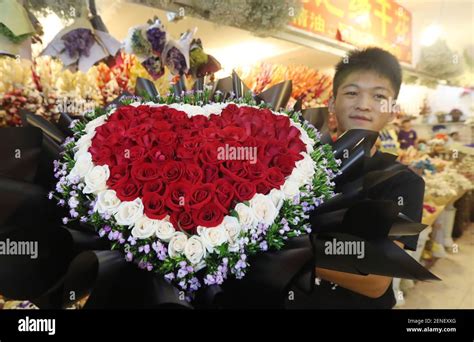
(364, 100)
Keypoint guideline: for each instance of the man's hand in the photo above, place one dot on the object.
(371, 285)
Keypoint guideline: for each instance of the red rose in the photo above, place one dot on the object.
(209, 216)
(285, 163)
(234, 169)
(154, 206)
(144, 172)
(103, 155)
(200, 195)
(193, 173)
(210, 153)
(244, 191)
(156, 186)
(166, 138)
(188, 148)
(178, 195)
(118, 175)
(161, 154)
(199, 121)
(124, 113)
(296, 145)
(275, 177)
(135, 153)
(210, 173)
(229, 113)
(256, 170)
(182, 220)
(209, 134)
(233, 133)
(138, 131)
(172, 171)
(160, 126)
(128, 190)
(157, 113)
(224, 195)
(262, 186)
(176, 116)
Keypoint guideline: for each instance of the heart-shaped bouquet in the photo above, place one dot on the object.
(190, 191)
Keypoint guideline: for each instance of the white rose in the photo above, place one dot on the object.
(212, 237)
(246, 215)
(144, 228)
(306, 167)
(194, 250)
(177, 244)
(107, 202)
(128, 213)
(263, 208)
(83, 144)
(291, 188)
(165, 230)
(92, 125)
(233, 228)
(82, 166)
(96, 179)
(277, 197)
(306, 139)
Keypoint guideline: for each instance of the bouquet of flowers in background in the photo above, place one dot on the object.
(190, 189)
(309, 85)
(156, 51)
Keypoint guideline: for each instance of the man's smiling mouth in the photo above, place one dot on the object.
(360, 117)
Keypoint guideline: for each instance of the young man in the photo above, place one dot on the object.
(407, 135)
(364, 91)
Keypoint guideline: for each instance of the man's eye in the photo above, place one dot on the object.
(380, 97)
(351, 93)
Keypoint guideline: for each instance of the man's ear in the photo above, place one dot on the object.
(331, 105)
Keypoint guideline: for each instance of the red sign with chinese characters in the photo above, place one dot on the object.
(382, 23)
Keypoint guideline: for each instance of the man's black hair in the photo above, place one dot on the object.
(370, 59)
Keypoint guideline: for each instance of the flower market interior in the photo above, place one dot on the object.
(168, 81)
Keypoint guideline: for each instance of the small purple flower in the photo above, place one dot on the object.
(264, 246)
(176, 61)
(129, 256)
(183, 284)
(182, 273)
(78, 42)
(169, 276)
(209, 280)
(50, 195)
(146, 249)
(73, 202)
(132, 240)
(219, 279)
(83, 219)
(149, 266)
(157, 37)
(73, 213)
(65, 220)
(59, 188)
